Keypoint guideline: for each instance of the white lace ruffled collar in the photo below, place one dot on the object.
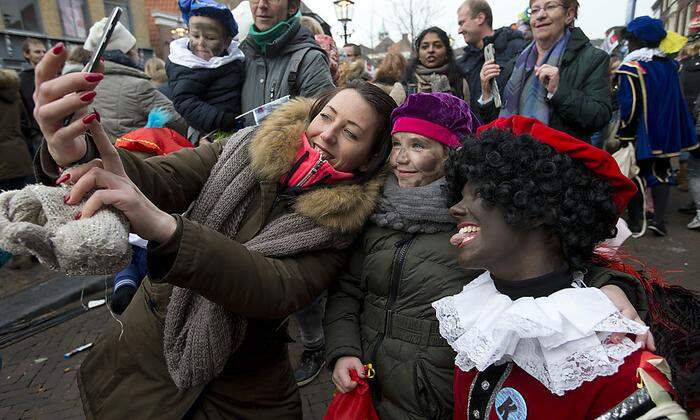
(643, 54)
(561, 340)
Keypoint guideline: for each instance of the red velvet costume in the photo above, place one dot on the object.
(533, 400)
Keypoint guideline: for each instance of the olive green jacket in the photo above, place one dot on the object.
(125, 375)
(582, 103)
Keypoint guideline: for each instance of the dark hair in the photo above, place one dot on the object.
(533, 184)
(572, 4)
(355, 48)
(292, 4)
(453, 73)
(568, 4)
(480, 6)
(383, 105)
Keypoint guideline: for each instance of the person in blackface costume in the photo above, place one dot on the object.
(532, 340)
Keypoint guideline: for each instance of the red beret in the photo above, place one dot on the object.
(598, 161)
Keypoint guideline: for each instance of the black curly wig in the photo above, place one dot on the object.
(534, 184)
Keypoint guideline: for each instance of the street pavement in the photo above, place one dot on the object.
(37, 382)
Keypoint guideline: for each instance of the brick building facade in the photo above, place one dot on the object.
(682, 16)
(65, 21)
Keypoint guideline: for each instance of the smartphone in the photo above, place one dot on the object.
(489, 54)
(91, 66)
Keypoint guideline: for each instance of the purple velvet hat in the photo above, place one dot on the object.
(439, 116)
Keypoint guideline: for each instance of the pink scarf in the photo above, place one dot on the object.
(310, 169)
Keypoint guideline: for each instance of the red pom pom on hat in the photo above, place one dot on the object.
(598, 161)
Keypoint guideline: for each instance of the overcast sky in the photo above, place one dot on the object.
(594, 18)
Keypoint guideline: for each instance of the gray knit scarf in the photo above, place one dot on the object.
(413, 210)
(200, 335)
(432, 79)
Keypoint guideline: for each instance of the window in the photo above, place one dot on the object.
(73, 17)
(21, 14)
(125, 19)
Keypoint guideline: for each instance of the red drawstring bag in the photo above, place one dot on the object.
(353, 405)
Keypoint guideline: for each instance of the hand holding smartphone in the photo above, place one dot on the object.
(91, 66)
(489, 54)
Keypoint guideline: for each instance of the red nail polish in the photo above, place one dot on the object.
(78, 216)
(88, 96)
(66, 198)
(89, 118)
(63, 178)
(97, 114)
(58, 48)
(94, 77)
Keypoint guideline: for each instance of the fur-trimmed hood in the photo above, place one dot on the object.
(344, 207)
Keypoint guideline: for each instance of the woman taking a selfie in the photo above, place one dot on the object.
(267, 215)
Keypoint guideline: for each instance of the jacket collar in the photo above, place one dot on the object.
(291, 40)
(273, 148)
(180, 54)
(577, 42)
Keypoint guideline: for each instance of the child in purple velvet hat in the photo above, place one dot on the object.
(379, 312)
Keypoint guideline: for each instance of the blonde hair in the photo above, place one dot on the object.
(312, 24)
(691, 49)
(152, 66)
(159, 76)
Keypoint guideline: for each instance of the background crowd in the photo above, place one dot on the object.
(638, 100)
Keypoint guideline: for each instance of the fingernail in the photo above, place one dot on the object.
(88, 96)
(89, 118)
(97, 114)
(63, 178)
(94, 77)
(66, 198)
(78, 216)
(102, 60)
(58, 48)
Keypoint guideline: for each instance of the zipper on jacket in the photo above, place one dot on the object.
(272, 91)
(397, 264)
(311, 173)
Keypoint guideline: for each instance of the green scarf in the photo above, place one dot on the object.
(265, 38)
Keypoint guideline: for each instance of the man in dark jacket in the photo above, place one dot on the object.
(475, 24)
(283, 58)
(33, 50)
